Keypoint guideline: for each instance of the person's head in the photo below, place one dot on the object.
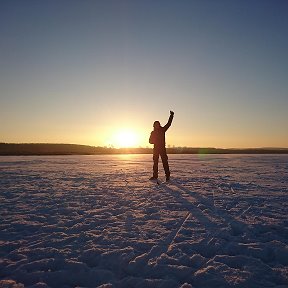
(156, 125)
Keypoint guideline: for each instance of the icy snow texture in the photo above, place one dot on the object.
(96, 221)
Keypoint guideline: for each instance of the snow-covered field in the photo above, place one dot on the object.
(96, 221)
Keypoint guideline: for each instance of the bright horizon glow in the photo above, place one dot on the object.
(125, 138)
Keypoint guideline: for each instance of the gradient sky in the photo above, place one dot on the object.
(80, 71)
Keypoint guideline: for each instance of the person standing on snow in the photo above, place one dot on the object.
(157, 137)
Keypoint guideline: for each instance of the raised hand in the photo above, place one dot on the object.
(171, 112)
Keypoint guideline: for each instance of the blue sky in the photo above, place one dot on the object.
(80, 71)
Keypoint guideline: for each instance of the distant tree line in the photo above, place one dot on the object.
(75, 149)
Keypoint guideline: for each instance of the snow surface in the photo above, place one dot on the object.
(96, 221)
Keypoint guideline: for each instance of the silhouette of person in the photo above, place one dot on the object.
(157, 137)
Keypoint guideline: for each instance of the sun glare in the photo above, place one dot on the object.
(126, 139)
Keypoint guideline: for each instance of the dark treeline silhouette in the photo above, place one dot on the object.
(64, 149)
(75, 149)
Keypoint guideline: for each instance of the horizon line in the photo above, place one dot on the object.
(141, 147)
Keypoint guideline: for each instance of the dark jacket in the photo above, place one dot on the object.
(157, 136)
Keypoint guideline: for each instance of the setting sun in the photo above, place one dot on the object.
(125, 139)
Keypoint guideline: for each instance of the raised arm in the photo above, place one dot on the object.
(169, 121)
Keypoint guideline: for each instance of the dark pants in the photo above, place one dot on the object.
(164, 157)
